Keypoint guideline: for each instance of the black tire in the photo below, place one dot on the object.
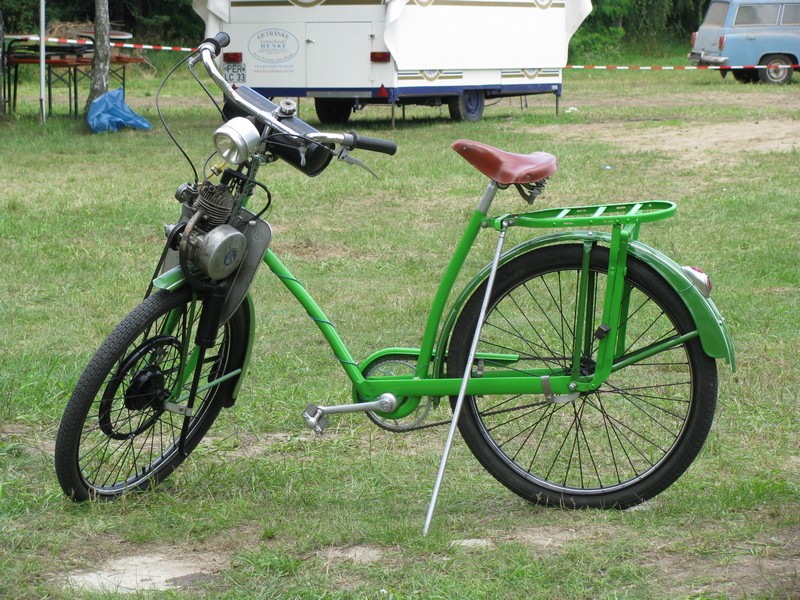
(614, 447)
(333, 111)
(778, 69)
(115, 435)
(467, 107)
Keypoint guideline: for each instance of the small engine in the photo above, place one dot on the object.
(210, 243)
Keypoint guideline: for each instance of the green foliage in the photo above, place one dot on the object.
(20, 15)
(173, 22)
(647, 20)
(157, 21)
(601, 33)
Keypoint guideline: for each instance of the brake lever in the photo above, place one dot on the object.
(344, 155)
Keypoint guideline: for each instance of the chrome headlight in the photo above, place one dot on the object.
(236, 140)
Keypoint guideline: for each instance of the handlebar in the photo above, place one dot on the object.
(211, 47)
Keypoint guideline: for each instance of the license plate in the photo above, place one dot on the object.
(235, 72)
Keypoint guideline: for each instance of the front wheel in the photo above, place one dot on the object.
(616, 446)
(121, 427)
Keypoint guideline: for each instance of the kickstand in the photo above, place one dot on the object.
(467, 372)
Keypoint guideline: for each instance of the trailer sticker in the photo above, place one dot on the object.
(529, 73)
(273, 46)
(429, 75)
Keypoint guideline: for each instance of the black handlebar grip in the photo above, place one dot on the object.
(219, 41)
(373, 144)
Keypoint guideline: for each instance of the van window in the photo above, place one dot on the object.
(716, 14)
(765, 14)
(791, 14)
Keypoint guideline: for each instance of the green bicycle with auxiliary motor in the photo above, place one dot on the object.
(580, 365)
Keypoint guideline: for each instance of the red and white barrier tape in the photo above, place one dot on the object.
(34, 38)
(678, 67)
(586, 67)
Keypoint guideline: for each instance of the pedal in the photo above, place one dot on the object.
(315, 419)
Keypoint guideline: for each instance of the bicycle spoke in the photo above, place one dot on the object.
(589, 446)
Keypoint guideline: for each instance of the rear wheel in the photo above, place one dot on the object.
(120, 429)
(334, 111)
(778, 69)
(616, 446)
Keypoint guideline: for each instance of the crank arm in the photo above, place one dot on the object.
(314, 416)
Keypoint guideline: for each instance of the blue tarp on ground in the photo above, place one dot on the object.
(110, 113)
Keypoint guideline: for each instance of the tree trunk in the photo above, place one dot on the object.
(101, 63)
(2, 68)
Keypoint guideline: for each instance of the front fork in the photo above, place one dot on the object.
(205, 338)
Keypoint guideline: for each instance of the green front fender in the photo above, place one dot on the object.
(714, 336)
(174, 279)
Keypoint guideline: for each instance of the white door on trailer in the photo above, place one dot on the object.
(338, 55)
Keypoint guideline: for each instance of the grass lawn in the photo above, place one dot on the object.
(265, 509)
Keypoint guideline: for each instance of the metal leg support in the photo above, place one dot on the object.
(467, 372)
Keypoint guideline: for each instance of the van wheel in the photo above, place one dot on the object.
(745, 75)
(779, 69)
(335, 111)
(467, 107)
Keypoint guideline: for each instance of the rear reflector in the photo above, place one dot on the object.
(380, 57)
(694, 38)
(232, 57)
(721, 42)
(700, 280)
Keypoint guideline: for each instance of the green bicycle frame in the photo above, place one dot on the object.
(625, 220)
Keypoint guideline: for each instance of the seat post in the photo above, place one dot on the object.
(488, 197)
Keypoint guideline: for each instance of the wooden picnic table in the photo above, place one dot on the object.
(66, 64)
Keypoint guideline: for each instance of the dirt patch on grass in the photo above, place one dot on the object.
(165, 569)
(710, 143)
(769, 569)
(362, 554)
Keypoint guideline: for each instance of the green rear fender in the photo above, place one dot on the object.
(714, 336)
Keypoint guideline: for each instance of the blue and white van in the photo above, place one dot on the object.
(750, 33)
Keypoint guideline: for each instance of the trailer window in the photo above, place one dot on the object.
(791, 14)
(766, 14)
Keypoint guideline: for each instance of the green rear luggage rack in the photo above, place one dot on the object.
(601, 214)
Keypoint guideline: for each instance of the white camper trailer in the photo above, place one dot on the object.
(349, 53)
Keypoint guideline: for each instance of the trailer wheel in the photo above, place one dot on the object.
(466, 107)
(335, 111)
